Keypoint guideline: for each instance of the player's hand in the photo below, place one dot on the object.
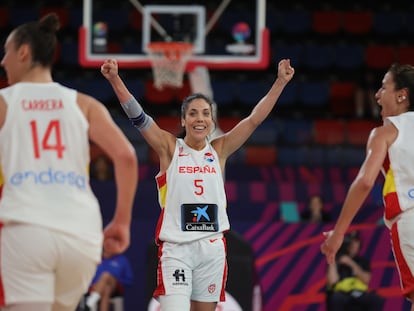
(116, 238)
(109, 69)
(331, 245)
(285, 70)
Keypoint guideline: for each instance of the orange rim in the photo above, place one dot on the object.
(170, 49)
(164, 46)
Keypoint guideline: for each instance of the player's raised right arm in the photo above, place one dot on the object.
(161, 141)
(109, 70)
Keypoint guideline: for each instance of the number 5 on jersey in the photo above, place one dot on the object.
(198, 183)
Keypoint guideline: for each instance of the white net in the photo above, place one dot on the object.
(169, 60)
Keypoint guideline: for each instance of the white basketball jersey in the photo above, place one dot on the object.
(192, 196)
(44, 158)
(399, 178)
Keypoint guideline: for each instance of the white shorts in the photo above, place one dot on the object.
(197, 270)
(41, 265)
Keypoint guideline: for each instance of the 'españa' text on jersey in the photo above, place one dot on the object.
(207, 169)
(192, 196)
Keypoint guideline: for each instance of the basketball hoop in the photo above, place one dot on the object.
(168, 61)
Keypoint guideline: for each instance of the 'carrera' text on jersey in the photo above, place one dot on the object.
(42, 104)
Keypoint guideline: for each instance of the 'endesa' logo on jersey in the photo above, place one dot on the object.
(42, 104)
(49, 177)
(410, 193)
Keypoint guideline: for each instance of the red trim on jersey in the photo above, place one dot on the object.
(2, 296)
(160, 290)
(224, 281)
(392, 205)
(161, 180)
(407, 279)
(159, 225)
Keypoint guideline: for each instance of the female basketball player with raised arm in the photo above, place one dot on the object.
(192, 267)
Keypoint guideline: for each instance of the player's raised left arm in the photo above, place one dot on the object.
(232, 140)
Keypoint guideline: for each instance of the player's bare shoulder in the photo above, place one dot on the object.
(88, 104)
(387, 133)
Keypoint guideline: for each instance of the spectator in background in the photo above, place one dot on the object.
(102, 169)
(112, 275)
(348, 279)
(315, 212)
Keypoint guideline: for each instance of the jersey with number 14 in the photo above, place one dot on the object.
(192, 196)
(44, 149)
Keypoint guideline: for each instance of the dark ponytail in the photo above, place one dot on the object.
(41, 37)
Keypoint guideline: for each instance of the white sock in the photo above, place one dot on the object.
(93, 299)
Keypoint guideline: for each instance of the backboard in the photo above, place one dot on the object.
(225, 34)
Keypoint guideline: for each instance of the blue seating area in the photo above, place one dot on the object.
(341, 40)
(321, 142)
(326, 44)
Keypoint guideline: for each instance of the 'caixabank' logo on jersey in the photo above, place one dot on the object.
(199, 217)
